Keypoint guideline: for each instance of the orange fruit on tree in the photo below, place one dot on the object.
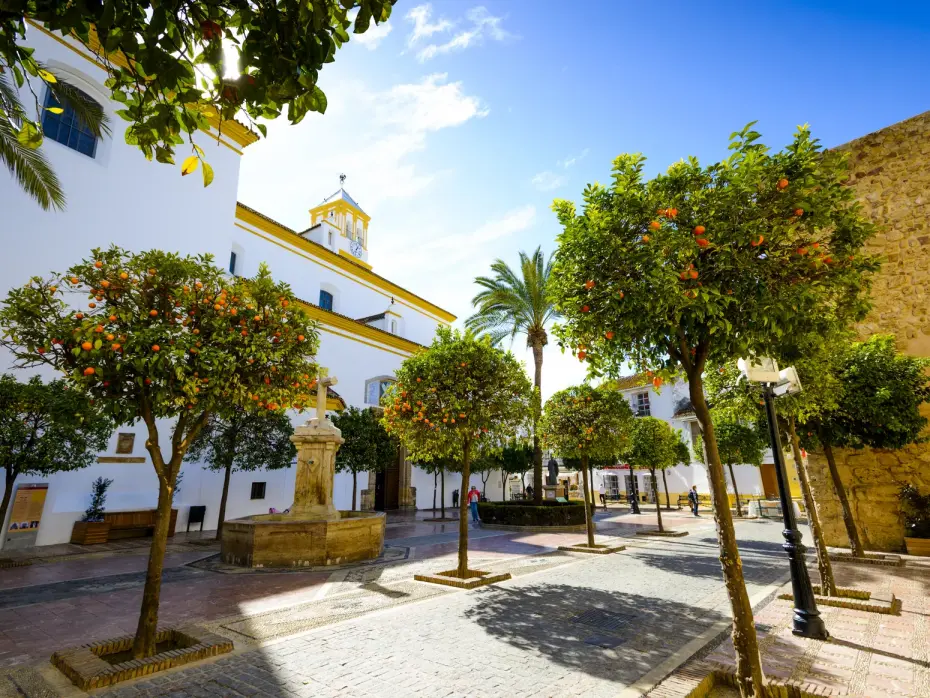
(620, 293)
(89, 371)
(589, 285)
(41, 350)
(155, 347)
(116, 346)
(699, 230)
(98, 264)
(105, 283)
(693, 274)
(112, 318)
(799, 212)
(300, 338)
(671, 212)
(75, 280)
(98, 329)
(123, 275)
(153, 313)
(703, 242)
(91, 305)
(802, 251)
(645, 238)
(655, 225)
(585, 308)
(582, 355)
(782, 184)
(52, 289)
(87, 346)
(609, 335)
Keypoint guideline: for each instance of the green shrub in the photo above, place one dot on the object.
(523, 514)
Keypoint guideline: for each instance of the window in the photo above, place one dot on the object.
(349, 229)
(125, 443)
(258, 490)
(695, 434)
(330, 238)
(375, 388)
(232, 262)
(393, 326)
(641, 405)
(326, 300)
(67, 128)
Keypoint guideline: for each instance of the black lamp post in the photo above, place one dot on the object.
(807, 620)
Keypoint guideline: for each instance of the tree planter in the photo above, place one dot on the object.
(90, 532)
(918, 546)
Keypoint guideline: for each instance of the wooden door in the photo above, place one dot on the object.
(392, 486)
(769, 481)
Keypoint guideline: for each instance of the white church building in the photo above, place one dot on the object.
(369, 324)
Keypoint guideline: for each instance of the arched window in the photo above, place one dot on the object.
(393, 326)
(67, 128)
(326, 300)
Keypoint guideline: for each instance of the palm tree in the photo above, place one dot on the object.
(21, 137)
(519, 302)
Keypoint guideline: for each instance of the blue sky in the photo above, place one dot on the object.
(458, 122)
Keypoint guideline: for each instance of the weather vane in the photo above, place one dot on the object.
(342, 179)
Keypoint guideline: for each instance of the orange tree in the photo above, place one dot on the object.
(447, 399)
(710, 264)
(653, 446)
(158, 336)
(582, 422)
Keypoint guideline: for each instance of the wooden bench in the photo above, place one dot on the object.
(135, 524)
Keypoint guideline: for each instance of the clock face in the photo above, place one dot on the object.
(355, 247)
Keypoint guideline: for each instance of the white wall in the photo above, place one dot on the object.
(121, 198)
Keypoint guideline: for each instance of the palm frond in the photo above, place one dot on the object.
(28, 166)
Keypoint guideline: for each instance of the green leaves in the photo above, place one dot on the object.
(29, 135)
(459, 391)
(367, 447)
(281, 49)
(585, 421)
(711, 263)
(653, 444)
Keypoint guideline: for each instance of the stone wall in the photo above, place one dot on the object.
(890, 170)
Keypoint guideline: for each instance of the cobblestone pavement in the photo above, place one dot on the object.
(567, 624)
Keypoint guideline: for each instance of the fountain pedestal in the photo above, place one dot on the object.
(314, 532)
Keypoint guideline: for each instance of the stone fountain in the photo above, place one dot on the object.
(313, 532)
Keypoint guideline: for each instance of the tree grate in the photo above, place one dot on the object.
(602, 620)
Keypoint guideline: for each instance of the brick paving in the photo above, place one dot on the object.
(869, 655)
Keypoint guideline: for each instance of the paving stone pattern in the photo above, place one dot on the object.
(560, 631)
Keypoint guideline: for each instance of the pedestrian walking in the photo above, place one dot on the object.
(455, 498)
(693, 500)
(474, 496)
(602, 491)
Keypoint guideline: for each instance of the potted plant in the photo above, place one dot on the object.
(916, 509)
(92, 528)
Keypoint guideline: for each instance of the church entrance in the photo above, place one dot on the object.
(769, 481)
(387, 488)
(391, 488)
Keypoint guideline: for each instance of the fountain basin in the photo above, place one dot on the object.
(280, 540)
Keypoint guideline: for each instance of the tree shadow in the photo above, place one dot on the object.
(609, 635)
(758, 558)
(883, 653)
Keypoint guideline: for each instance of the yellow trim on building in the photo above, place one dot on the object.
(340, 322)
(352, 258)
(340, 206)
(237, 132)
(318, 254)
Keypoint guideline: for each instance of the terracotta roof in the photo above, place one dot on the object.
(637, 380)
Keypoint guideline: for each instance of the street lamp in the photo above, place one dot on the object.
(807, 620)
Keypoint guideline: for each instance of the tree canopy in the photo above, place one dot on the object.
(738, 443)
(176, 68)
(586, 422)
(245, 441)
(46, 428)
(653, 444)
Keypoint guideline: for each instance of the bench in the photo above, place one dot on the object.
(704, 501)
(135, 524)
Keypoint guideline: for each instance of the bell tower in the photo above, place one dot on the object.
(339, 224)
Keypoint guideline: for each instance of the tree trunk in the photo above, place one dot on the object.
(222, 517)
(668, 500)
(854, 543)
(588, 523)
(739, 508)
(537, 448)
(655, 494)
(354, 488)
(442, 494)
(827, 582)
(634, 493)
(435, 482)
(144, 643)
(593, 494)
(748, 661)
(463, 510)
(503, 486)
(7, 496)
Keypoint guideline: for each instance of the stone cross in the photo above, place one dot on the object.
(321, 386)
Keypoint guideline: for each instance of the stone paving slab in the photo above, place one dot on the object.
(572, 626)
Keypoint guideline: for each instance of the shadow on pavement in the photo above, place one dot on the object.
(613, 636)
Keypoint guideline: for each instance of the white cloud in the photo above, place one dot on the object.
(547, 180)
(422, 28)
(479, 24)
(372, 38)
(569, 161)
